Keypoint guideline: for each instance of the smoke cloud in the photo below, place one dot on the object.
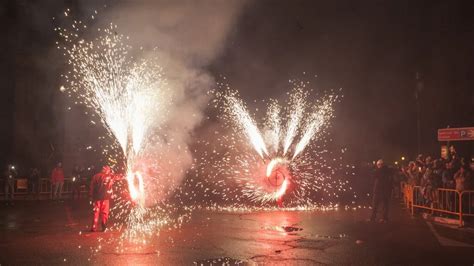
(187, 36)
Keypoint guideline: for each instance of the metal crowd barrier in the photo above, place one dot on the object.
(467, 197)
(44, 189)
(440, 200)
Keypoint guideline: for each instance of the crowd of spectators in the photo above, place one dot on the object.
(79, 180)
(430, 174)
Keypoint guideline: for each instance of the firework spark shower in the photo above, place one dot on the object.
(281, 159)
(129, 95)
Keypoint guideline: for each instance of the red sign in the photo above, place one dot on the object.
(451, 134)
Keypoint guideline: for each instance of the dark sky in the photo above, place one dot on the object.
(371, 49)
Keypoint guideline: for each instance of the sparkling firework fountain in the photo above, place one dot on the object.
(275, 164)
(130, 97)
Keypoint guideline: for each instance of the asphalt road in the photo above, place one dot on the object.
(48, 233)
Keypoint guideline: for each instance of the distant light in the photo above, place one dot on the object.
(396, 163)
(62, 89)
(403, 158)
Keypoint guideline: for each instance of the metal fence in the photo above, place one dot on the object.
(43, 189)
(441, 200)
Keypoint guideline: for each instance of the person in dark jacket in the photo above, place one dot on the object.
(101, 192)
(382, 190)
(33, 183)
(9, 182)
(76, 182)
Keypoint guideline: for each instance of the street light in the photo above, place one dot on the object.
(403, 158)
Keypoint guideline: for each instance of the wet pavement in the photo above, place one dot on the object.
(54, 233)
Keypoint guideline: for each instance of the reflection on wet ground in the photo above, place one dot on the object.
(54, 233)
(220, 261)
(272, 237)
(291, 228)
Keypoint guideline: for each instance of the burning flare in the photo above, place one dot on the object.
(136, 187)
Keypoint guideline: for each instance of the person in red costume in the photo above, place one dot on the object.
(101, 192)
(57, 179)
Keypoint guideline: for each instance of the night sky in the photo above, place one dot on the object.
(371, 49)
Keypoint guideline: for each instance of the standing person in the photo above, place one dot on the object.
(57, 179)
(426, 184)
(9, 182)
(436, 181)
(76, 182)
(447, 176)
(462, 179)
(85, 181)
(413, 174)
(419, 160)
(33, 182)
(101, 192)
(382, 190)
(89, 172)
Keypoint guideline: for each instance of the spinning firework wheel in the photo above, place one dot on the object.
(276, 179)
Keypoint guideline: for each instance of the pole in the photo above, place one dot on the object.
(460, 208)
(418, 125)
(418, 89)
